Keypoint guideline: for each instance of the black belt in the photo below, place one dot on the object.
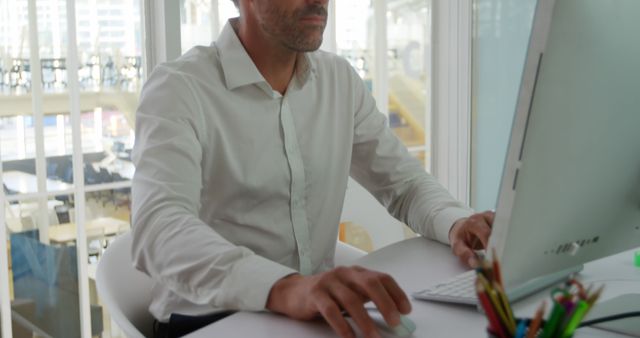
(180, 325)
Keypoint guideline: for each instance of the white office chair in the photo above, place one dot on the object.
(125, 291)
(347, 254)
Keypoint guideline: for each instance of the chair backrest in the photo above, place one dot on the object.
(347, 254)
(125, 291)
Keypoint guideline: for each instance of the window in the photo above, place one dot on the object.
(39, 134)
(202, 20)
(409, 59)
(500, 45)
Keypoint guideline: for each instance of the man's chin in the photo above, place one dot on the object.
(314, 47)
(308, 46)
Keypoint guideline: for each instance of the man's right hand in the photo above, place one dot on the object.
(342, 289)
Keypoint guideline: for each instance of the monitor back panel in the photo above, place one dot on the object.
(571, 189)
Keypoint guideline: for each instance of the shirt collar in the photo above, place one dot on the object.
(238, 68)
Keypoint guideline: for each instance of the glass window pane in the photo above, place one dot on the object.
(502, 30)
(354, 35)
(408, 61)
(201, 21)
(109, 36)
(110, 77)
(409, 57)
(53, 39)
(17, 142)
(43, 273)
(15, 70)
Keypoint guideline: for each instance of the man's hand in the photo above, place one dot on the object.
(342, 289)
(470, 234)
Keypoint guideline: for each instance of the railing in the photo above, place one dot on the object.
(96, 72)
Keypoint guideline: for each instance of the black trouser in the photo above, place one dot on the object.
(180, 325)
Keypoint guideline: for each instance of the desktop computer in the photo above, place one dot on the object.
(570, 191)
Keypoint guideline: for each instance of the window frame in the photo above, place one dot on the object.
(451, 105)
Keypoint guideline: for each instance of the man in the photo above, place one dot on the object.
(243, 151)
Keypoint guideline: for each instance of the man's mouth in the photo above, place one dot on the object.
(317, 19)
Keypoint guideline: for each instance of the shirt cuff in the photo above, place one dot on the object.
(250, 282)
(444, 221)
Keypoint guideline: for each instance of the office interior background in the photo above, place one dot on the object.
(445, 72)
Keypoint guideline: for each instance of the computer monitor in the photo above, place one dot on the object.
(570, 191)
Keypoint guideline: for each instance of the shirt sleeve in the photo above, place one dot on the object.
(170, 243)
(382, 164)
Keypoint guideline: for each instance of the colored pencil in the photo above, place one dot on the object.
(555, 318)
(537, 320)
(573, 321)
(502, 295)
(494, 322)
(496, 266)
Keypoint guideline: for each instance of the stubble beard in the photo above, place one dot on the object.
(285, 28)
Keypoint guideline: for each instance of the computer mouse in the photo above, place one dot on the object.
(406, 327)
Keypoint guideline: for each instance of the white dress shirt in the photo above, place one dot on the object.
(237, 186)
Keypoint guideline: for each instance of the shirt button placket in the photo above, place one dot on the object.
(297, 193)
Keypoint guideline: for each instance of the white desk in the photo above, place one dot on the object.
(101, 227)
(24, 183)
(415, 264)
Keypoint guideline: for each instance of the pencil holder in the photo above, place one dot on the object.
(527, 322)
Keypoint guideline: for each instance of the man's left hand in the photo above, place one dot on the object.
(469, 234)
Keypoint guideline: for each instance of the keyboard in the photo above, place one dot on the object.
(459, 289)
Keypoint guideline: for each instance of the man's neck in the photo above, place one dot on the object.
(275, 62)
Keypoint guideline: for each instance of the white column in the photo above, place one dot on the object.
(329, 42)
(214, 17)
(428, 63)
(78, 172)
(38, 116)
(452, 28)
(5, 296)
(161, 31)
(380, 71)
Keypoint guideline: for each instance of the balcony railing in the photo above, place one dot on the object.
(95, 73)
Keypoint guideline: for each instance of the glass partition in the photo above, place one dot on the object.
(502, 30)
(202, 20)
(42, 225)
(409, 62)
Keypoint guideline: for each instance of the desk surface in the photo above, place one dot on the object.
(24, 183)
(415, 264)
(99, 227)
